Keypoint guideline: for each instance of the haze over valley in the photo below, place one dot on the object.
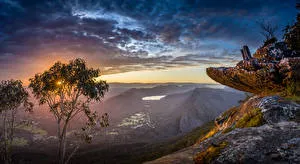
(141, 113)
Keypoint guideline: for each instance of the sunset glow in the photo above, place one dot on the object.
(148, 42)
(149, 81)
(193, 75)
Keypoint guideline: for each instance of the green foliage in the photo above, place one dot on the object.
(70, 78)
(13, 95)
(252, 119)
(68, 90)
(210, 153)
(292, 34)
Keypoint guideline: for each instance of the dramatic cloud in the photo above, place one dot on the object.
(129, 35)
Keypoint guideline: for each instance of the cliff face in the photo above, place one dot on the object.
(261, 129)
(274, 69)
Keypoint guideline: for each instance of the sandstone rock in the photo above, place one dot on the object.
(258, 76)
(273, 69)
(248, 81)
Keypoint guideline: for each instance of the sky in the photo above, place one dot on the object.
(143, 41)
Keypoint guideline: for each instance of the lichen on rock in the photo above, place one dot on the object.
(257, 131)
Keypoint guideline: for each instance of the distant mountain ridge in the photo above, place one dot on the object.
(181, 110)
(203, 105)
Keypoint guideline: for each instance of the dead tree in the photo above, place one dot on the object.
(267, 29)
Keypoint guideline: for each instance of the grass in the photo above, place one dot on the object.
(211, 133)
(293, 98)
(253, 118)
(227, 130)
(208, 155)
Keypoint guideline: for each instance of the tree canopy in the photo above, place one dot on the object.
(68, 82)
(13, 95)
(68, 89)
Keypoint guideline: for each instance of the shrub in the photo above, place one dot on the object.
(291, 88)
(227, 130)
(270, 41)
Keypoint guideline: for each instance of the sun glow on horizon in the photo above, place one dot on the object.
(179, 75)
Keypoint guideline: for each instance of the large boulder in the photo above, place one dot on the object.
(273, 109)
(276, 143)
(274, 70)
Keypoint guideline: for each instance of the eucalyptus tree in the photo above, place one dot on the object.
(12, 96)
(68, 89)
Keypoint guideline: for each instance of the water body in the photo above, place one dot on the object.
(153, 98)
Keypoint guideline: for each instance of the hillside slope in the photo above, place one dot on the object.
(181, 110)
(261, 130)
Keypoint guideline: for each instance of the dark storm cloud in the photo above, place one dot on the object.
(124, 35)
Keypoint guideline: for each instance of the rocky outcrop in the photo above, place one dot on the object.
(268, 136)
(276, 143)
(273, 69)
(276, 139)
(274, 109)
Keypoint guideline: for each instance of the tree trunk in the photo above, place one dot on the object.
(60, 160)
(61, 134)
(12, 128)
(62, 144)
(61, 150)
(72, 153)
(6, 156)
